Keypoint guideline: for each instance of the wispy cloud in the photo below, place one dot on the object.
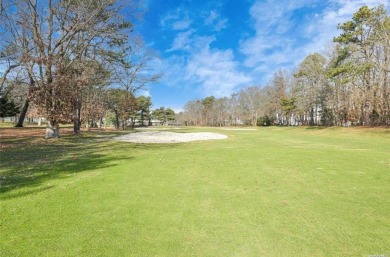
(275, 33)
(324, 26)
(181, 25)
(183, 41)
(178, 19)
(209, 71)
(282, 41)
(211, 18)
(216, 71)
(215, 20)
(193, 62)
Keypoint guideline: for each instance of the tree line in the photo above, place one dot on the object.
(349, 85)
(73, 61)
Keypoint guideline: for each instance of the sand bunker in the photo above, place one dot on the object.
(155, 137)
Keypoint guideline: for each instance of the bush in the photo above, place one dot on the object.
(264, 121)
(8, 107)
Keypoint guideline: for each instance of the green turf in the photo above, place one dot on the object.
(269, 192)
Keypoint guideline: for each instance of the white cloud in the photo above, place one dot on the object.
(166, 21)
(183, 41)
(282, 41)
(215, 21)
(181, 25)
(272, 43)
(216, 72)
(211, 18)
(194, 64)
(220, 25)
(176, 20)
(172, 69)
(324, 28)
(206, 71)
(266, 14)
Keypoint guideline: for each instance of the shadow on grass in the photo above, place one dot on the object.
(27, 164)
(317, 127)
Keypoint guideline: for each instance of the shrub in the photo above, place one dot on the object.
(264, 121)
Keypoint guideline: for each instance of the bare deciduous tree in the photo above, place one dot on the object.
(56, 38)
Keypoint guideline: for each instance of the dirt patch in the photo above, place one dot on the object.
(12, 132)
(29, 132)
(155, 137)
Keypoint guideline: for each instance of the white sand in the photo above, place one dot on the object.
(168, 137)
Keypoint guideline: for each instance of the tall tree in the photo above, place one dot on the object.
(359, 61)
(310, 83)
(208, 103)
(193, 113)
(250, 103)
(220, 109)
(63, 35)
(123, 104)
(163, 115)
(143, 105)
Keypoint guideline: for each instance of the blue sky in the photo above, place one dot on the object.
(215, 47)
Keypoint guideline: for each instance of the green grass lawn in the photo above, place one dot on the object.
(269, 192)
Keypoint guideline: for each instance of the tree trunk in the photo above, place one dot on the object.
(100, 122)
(132, 120)
(116, 120)
(77, 120)
(76, 126)
(23, 114)
(105, 120)
(26, 104)
(52, 130)
(311, 123)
